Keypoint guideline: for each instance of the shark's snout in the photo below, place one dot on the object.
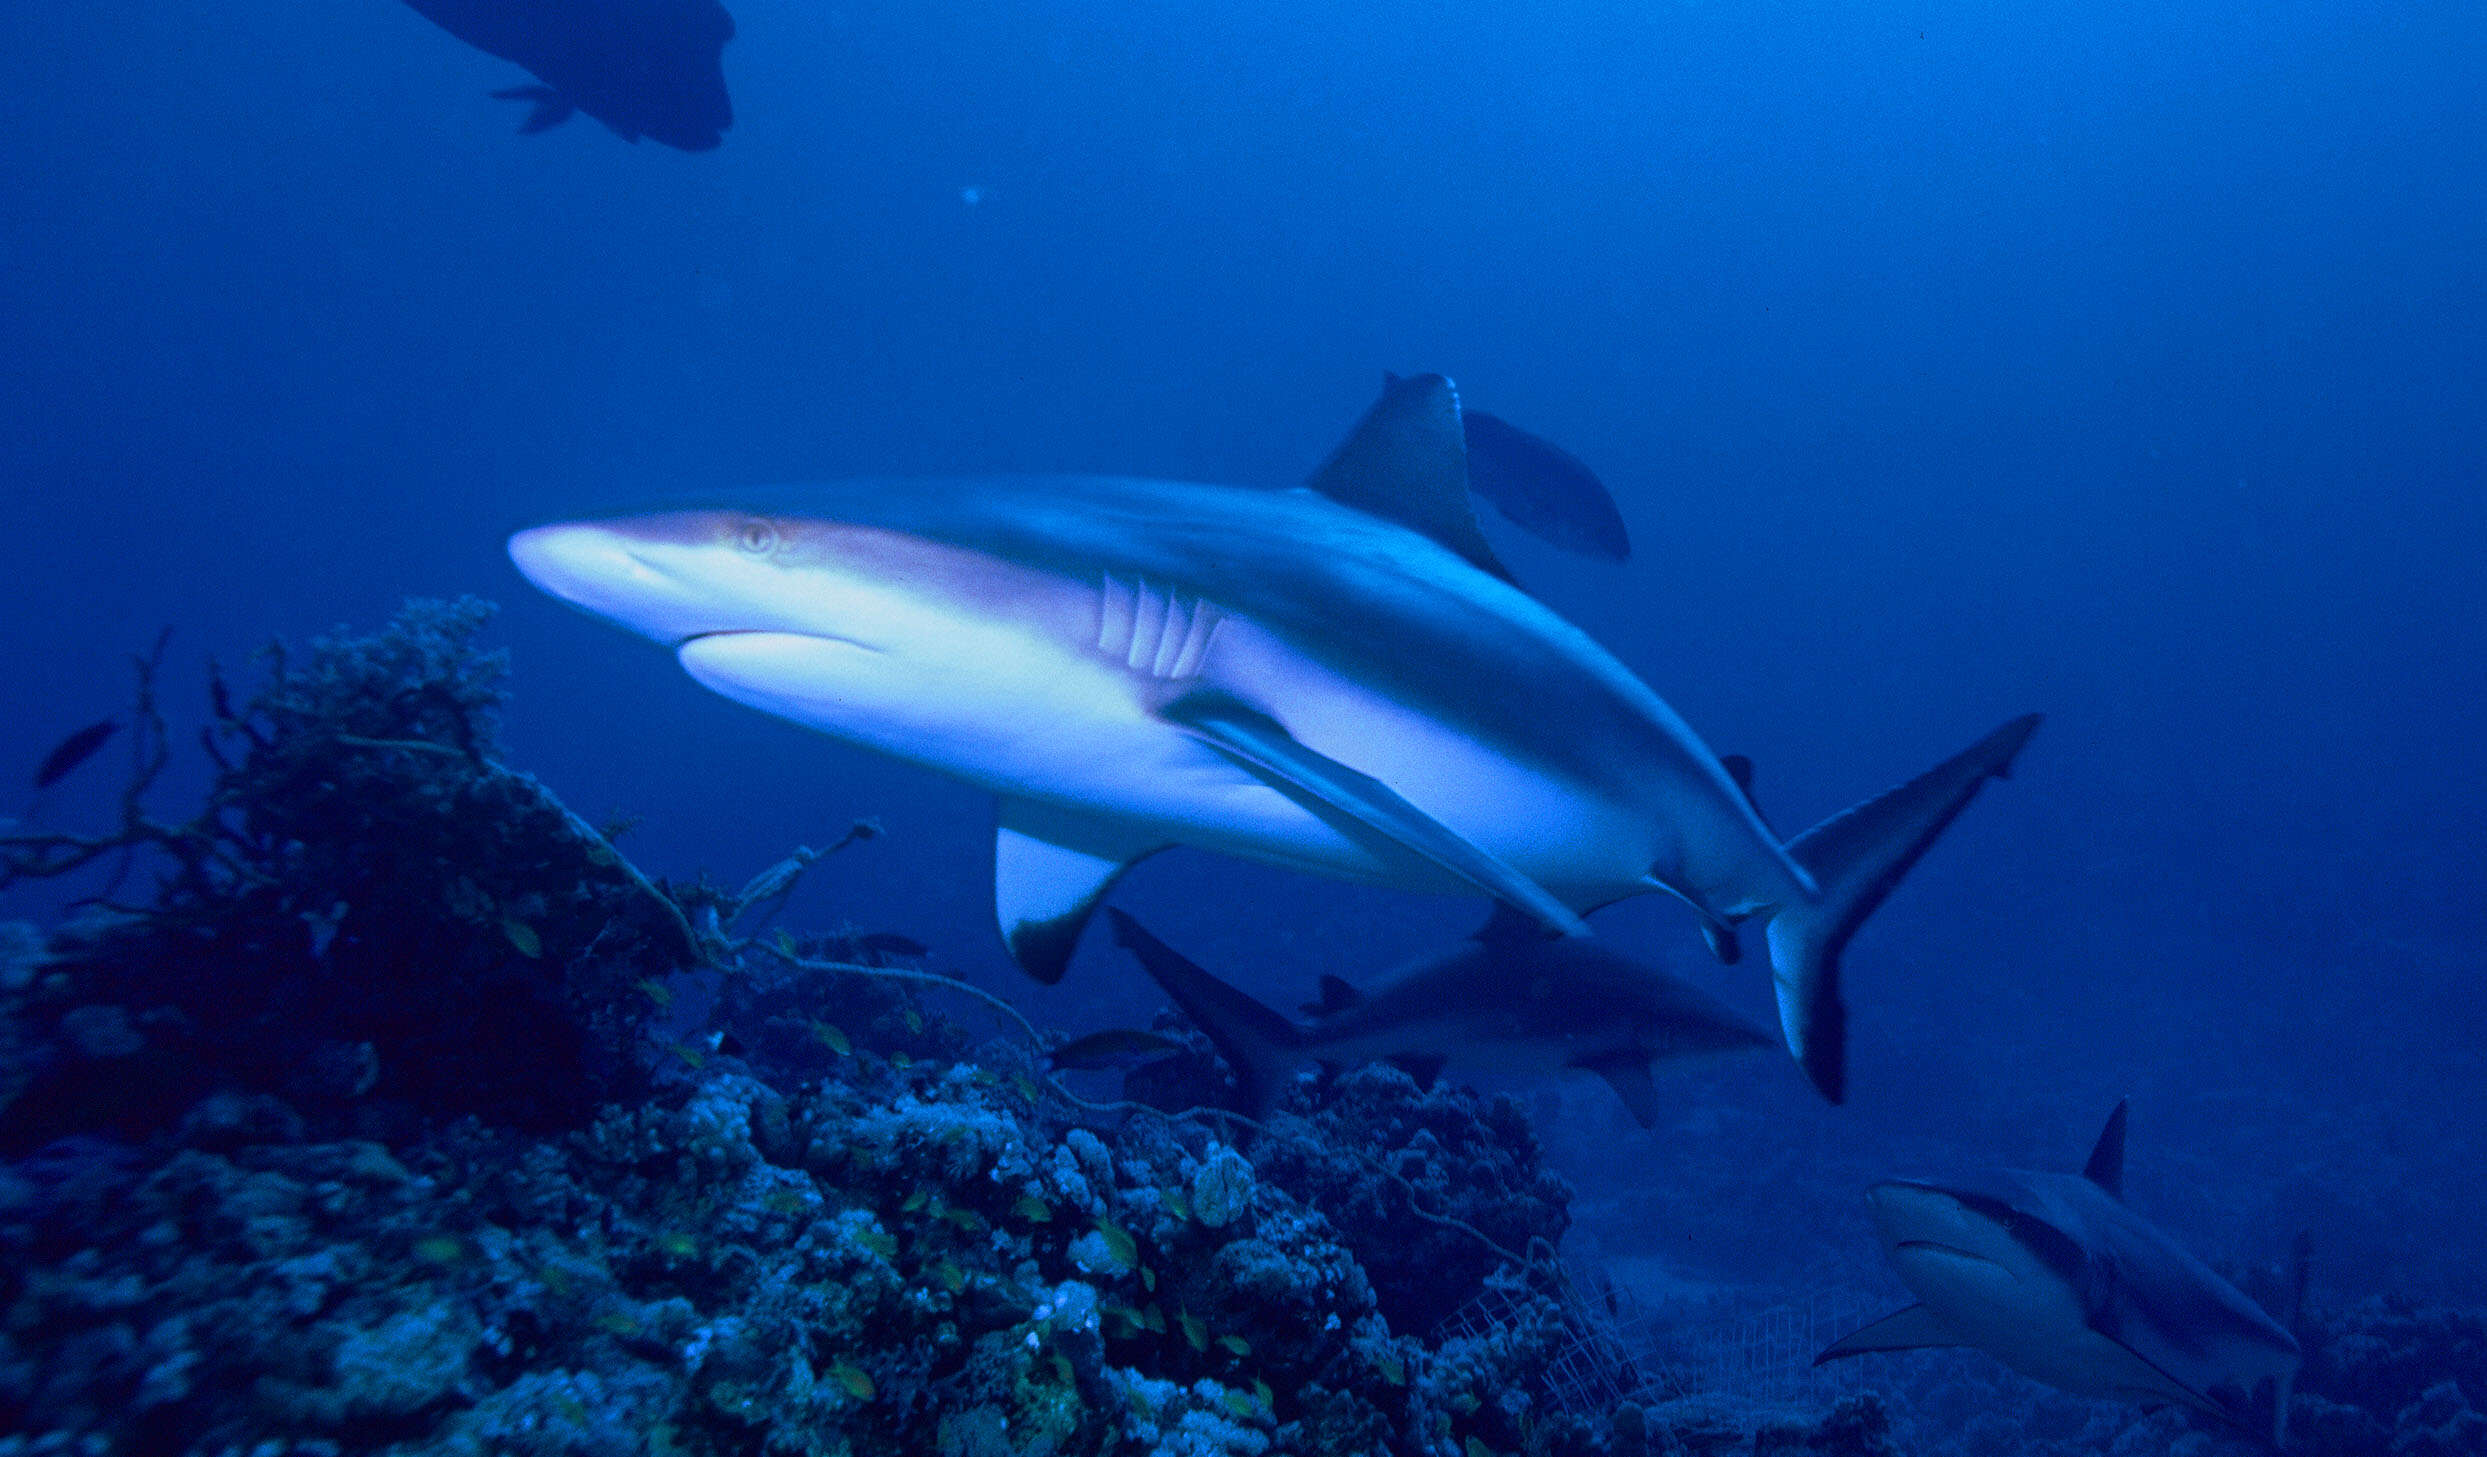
(605, 571)
(1912, 1213)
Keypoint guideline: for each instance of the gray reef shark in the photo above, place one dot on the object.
(1337, 678)
(1508, 1000)
(2052, 1275)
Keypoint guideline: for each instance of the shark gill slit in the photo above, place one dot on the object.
(1204, 627)
(1148, 624)
(1115, 611)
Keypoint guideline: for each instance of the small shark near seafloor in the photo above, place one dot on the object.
(1338, 678)
(1508, 1000)
(2052, 1275)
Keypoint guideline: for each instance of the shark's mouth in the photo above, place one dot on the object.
(758, 633)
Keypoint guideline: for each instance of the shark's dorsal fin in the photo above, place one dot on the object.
(1406, 462)
(1262, 744)
(1050, 868)
(1628, 1074)
(2106, 1165)
(1911, 1328)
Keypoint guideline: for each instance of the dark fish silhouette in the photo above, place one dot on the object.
(1510, 999)
(73, 751)
(1116, 1047)
(1542, 488)
(645, 68)
(1539, 486)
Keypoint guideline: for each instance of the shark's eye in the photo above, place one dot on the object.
(757, 537)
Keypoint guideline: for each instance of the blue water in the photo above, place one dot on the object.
(2119, 361)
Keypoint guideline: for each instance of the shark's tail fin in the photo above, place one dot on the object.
(1261, 1045)
(1856, 857)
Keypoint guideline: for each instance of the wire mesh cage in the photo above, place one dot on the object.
(1732, 1354)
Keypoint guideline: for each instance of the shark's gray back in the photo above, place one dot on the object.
(2147, 1292)
(1363, 595)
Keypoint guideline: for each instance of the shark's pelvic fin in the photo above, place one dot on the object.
(2106, 1165)
(550, 108)
(1050, 868)
(1856, 857)
(1261, 744)
(1628, 1074)
(1912, 1328)
(1259, 1044)
(1406, 461)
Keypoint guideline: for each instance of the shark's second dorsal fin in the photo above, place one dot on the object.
(1508, 925)
(1336, 996)
(1406, 462)
(2106, 1165)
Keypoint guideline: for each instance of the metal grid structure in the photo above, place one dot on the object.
(1734, 1358)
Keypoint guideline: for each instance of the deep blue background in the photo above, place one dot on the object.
(2117, 360)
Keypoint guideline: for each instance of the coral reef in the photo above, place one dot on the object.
(371, 916)
(407, 1115)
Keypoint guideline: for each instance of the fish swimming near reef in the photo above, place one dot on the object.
(1114, 1049)
(651, 68)
(1508, 1000)
(2054, 1276)
(1338, 678)
(73, 751)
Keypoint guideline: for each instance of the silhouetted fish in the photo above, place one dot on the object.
(1539, 486)
(72, 751)
(1542, 487)
(1116, 1047)
(647, 68)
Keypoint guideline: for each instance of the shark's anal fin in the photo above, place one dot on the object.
(550, 108)
(1407, 461)
(1912, 1328)
(1263, 745)
(1628, 1074)
(1739, 767)
(2106, 1165)
(1050, 868)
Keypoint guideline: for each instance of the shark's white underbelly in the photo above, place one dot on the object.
(1030, 711)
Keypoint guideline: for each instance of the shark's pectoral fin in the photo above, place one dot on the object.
(1628, 1074)
(1261, 744)
(550, 108)
(1407, 461)
(1912, 1328)
(1050, 868)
